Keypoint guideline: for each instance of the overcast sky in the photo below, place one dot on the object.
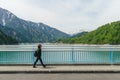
(69, 16)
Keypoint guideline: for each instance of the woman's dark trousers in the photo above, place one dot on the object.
(37, 61)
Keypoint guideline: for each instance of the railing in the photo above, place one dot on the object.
(61, 54)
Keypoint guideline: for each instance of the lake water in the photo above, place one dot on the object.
(61, 54)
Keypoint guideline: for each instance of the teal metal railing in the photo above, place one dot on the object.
(61, 54)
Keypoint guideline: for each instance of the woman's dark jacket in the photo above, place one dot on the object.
(39, 53)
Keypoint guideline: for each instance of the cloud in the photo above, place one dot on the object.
(66, 15)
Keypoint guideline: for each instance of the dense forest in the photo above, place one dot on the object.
(4, 39)
(106, 34)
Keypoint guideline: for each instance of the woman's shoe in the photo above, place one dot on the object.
(44, 66)
(34, 67)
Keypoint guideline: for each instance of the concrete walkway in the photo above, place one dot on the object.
(62, 69)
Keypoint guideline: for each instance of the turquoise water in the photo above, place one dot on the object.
(15, 57)
(61, 54)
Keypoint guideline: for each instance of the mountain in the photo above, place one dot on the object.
(4, 39)
(73, 38)
(79, 34)
(106, 34)
(27, 31)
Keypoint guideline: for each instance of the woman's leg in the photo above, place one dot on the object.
(42, 62)
(35, 63)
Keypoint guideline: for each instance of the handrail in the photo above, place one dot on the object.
(61, 54)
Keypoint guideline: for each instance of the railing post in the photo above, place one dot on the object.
(33, 55)
(73, 55)
(111, 56)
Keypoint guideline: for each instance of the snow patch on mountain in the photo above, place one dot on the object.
(3, 22)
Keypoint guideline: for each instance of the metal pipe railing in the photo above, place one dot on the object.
(61, 54)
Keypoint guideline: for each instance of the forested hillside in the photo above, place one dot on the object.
(4, 39)
(26, 31)
(106, 34)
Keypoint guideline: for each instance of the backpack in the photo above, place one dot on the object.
(36, 53)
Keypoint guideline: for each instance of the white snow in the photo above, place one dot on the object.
(38, 24)
(3, 22)
(10, 16)
(42, 28)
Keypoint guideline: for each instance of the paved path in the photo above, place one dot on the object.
(81, 76)
(62, 69)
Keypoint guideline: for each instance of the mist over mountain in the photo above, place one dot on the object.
(28, 31)
(79, 34)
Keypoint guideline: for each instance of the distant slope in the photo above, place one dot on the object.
(79, 34)
(4, 39)
(73, 38)
(106, 34)
(27, 31)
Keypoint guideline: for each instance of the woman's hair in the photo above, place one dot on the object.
(39, 45)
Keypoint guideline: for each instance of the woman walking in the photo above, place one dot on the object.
(38, 56)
